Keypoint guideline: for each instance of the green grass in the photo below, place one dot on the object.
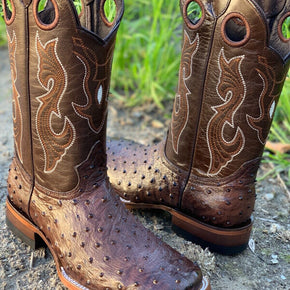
(110, 10)
(286, 27)
(3, 39)
(280, 132)
(3, 36)
(147, 57)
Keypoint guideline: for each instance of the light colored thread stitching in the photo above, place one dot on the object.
(65, 275)
(74, 105)
(88, 156)
(248, 117)
(269, 110)
(58, 114)
(73, 191)
(232, 121)
(18, 146)
(189, 92)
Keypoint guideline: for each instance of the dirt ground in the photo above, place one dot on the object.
(265, 267)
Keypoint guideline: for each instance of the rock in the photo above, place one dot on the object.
(274, 228)
(137, 114)
(284, 235)
(274, 259)
(158, 227)
(157, 124)
(269, 196)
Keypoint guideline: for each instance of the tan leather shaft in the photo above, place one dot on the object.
(219, 87)
(17, 41)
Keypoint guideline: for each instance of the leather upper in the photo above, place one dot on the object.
(58, 179)
(228, 88)
(96, 242)
(234, 62)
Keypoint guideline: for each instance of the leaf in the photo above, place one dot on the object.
(277, 147)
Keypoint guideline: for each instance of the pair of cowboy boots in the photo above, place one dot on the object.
(58, 189)
(234, 62)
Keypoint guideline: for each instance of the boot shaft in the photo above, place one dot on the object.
(61, 77)
(93, 17)
(234, 63)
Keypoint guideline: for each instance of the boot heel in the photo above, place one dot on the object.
(22, 227)
(220, 240)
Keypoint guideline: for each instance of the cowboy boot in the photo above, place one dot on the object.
(58, 190)
(233, 66)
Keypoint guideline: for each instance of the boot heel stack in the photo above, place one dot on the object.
(23, 228)
(221, 240)
(227, 241)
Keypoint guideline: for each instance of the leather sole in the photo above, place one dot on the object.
(32, 236)
(226, 241)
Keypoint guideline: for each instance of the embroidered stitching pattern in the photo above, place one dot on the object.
(52, 77)
(267, 101)
(17, 114)
(95, 80)
(231, 89)
(76, 168)
(180, 112)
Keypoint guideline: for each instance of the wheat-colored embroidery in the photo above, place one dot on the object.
(180, 112)
(52, 77)
(17, 114)
(231, 89)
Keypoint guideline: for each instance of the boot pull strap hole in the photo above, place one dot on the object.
(235, 29)
(79, 5)
(108, 11)
(193, 13)
(46, 13)
(9, 11)
(284, 27)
